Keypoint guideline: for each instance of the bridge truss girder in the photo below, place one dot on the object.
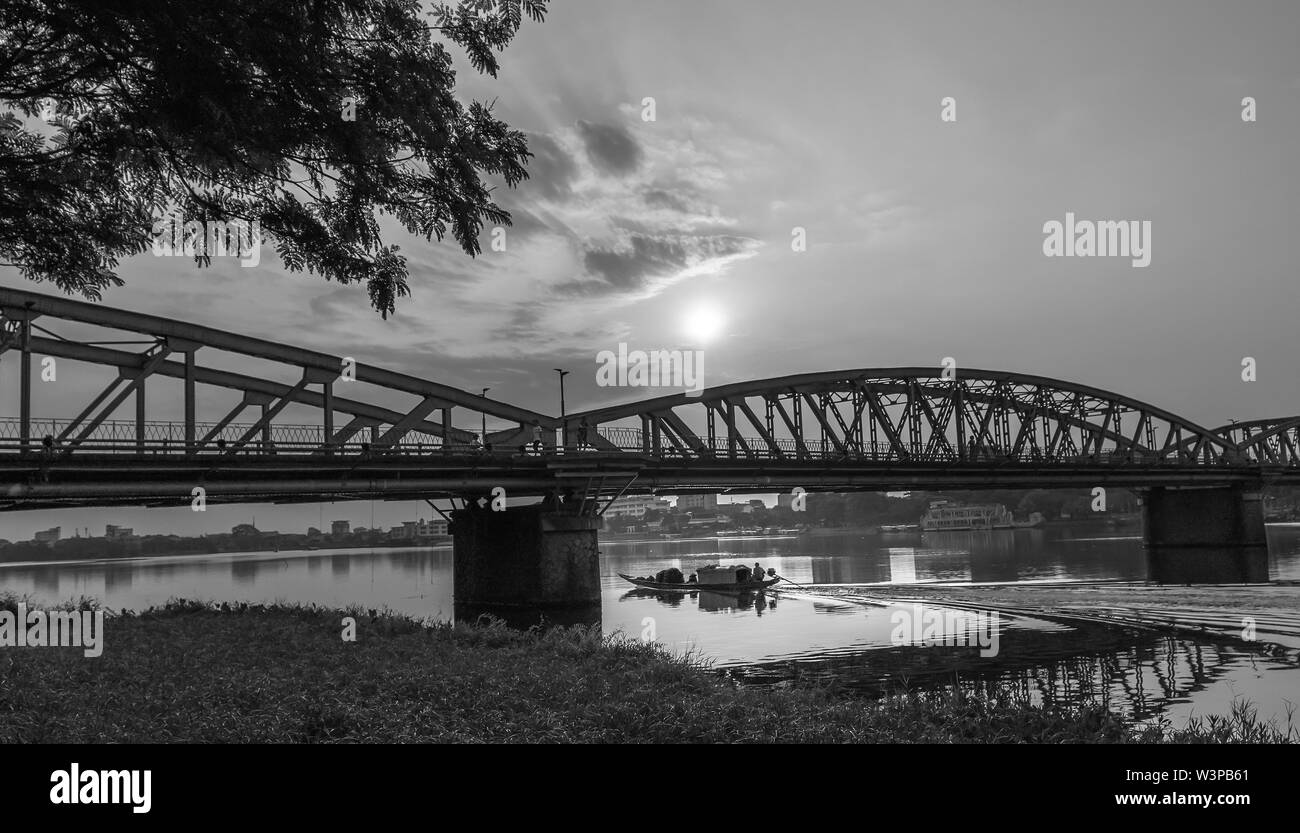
(1266, 441)
(870, 429)
(177, 350)
(907, 415)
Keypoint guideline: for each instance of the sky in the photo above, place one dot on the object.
(924, 236)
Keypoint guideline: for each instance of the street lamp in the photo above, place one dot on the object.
(564, 428)
(483, 436)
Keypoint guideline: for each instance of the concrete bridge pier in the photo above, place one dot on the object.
(526, 563)
(1204, 535)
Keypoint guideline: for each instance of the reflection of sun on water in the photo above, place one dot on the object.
(902, 565)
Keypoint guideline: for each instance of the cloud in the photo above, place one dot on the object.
(612, 149)
(551, 170)
(334, 306)
(638, 259)
(646, 256)
(609, 218)
(522, 222)
(606, 214)
(659, 198)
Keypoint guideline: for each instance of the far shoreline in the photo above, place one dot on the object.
(611, 539)
(293, 553)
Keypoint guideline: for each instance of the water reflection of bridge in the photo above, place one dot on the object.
(1138, 673)
(1035, 555)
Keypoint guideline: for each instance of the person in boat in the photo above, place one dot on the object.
(757, 575)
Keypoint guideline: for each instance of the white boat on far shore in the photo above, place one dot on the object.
(944, 516)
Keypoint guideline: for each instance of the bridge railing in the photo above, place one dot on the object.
(113, 431)
(251, 448)
(120, 437)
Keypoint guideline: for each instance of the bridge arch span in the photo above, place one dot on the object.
(262, 381)
(1266, 441)
(904, 415)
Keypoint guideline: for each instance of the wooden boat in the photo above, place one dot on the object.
(686, 587)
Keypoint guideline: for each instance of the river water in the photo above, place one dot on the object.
(775, 638)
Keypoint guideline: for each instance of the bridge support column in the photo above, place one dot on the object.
(25, 386)
(1204, 535)
(1227, 516)
(526, 558)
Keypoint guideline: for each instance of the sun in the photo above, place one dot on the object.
(703, 323)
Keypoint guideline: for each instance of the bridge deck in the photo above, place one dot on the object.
(40, 480)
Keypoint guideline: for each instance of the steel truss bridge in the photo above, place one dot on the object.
(300, 425)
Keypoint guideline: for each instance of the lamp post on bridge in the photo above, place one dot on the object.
(483, 435)
(564, 428)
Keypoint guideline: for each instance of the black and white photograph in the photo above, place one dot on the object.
(396, 372)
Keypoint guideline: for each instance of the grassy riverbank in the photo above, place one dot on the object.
(194, 674)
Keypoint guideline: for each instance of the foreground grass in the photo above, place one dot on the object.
(192, 673)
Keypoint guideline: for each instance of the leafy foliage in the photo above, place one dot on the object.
(114, 113)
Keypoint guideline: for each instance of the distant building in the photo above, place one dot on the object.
(340, 527)
(244, 529)
(49, 536)
(115, 532)
(419, 531)
(690, 503)
(785, 500)
(635, 506)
